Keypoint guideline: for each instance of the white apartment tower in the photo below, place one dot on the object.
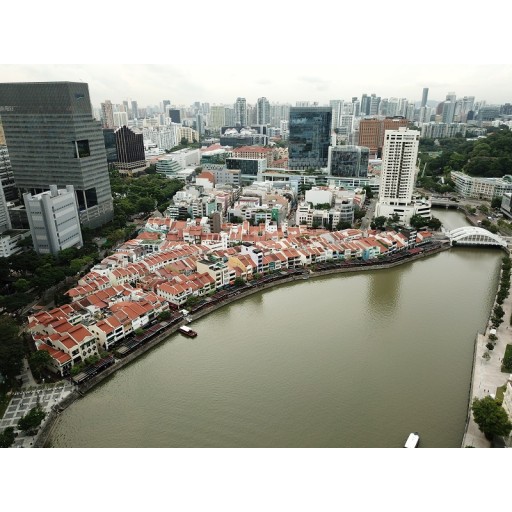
(398, 165)
(53, 218)
(400, 152)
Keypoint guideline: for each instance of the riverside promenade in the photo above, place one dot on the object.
(487, 375)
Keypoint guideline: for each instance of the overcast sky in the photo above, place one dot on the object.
(182, 84)
(215, 52)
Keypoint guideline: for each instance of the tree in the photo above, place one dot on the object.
(434, 223)
(239, 281)
(7, 437)
(11, 349)
(417, 221)
(21, 285)
(496, 202)
(490, 417)
(38, 360)
(32, 419)
(380, 221)
(342, 224)
(369, 192)
(164, 315)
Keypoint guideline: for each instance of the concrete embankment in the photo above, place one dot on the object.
(486, 375)
(45, 433)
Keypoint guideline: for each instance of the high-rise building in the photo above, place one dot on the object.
(309, 137)
(241, 112)
(6, 175)
(398, 165)
(175, 115)
(200, 125)
(216, 118)
(165, 103)
(336, 106)
(279, 113)
(107, 114)
(130, 150)
(5, 219)
(371, 131)
(53, 138)
(348, 161)
(448, 111)
(53, 219)
(424, 97)
(135, 110)
(120, 119)
(398, 175)
(263, 111)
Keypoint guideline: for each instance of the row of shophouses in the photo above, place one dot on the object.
(160, 270)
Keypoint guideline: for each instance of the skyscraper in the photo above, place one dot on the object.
(107, 114)
(53, 138)
(263, 111)
(135, 110)
(398, 174)
(448, 111)
(130, 150)
(398, 165)
(424, 97)
(241, 111)
(309, 137)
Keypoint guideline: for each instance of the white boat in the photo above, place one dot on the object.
(187, 331)
(412, 440)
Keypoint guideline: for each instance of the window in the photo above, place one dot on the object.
(82, 148)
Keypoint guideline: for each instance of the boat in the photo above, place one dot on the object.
(187, 331)
(412, 440)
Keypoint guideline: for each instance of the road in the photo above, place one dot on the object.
(367, 219)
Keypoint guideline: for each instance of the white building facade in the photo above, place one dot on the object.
(53, 219)
(398, 174)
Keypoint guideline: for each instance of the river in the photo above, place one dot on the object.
(351, 360)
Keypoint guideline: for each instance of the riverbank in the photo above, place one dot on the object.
(487, 375)
(210, 307)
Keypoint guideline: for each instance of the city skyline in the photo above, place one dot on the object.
(150, 84)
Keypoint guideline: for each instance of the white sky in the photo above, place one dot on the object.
(215, 52)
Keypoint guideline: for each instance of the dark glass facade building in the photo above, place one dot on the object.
(129, 149)
(53, 139)
(309, 137)
(348, 161)
(110, 145)
(175, 115)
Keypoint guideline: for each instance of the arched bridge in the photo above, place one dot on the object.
(472, 235)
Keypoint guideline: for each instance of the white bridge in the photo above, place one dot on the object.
(472, 235)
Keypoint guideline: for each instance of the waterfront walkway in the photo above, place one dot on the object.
(487, 374)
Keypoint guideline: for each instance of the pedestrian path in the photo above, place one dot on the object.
(23, 401)
(487, 374)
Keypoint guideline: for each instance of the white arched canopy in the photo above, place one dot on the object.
(472, 235)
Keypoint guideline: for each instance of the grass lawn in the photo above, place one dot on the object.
(506, 357)
(500, 392)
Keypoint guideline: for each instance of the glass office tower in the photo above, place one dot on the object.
(53, 139)
(309, 137)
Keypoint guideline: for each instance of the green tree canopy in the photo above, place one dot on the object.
(490, 417)
(417, 221)
(38, 360)
(380, 221)
(11, 348)
(7, 438)
(32, 419)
